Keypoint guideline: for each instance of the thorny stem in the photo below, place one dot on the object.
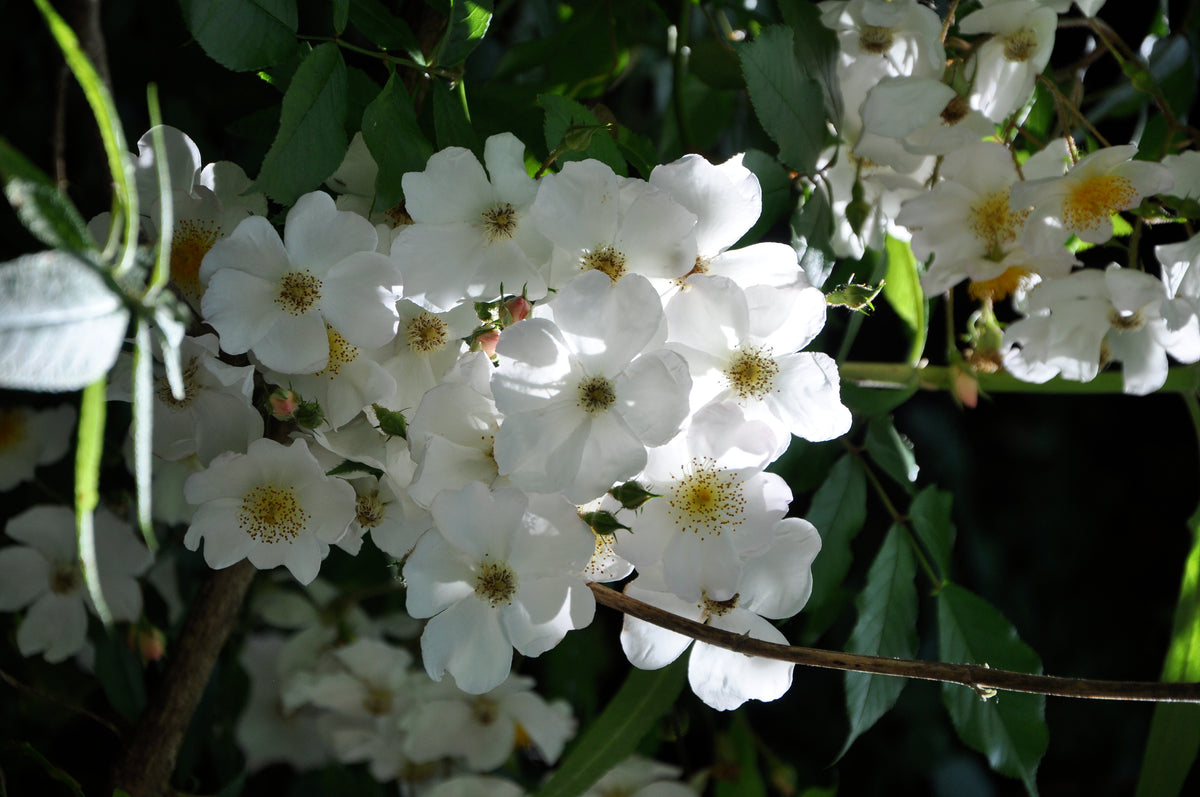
(980, 678)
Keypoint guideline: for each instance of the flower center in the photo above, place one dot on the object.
(602, 554)
(993, 222)
(956, 110)
(596, 395)
(998, 288)
(369, 510)
(1020, 45)
(340, 353)
(607, 259)
(271, 514)
(500, 222)
(191, 387)
(1094, 199)
(189, 245)
(485, 710)
(875, 39)
(377, 701)
(299, 292)
(496, 583)
(426, 333)
(1126, 322)
(707, 501)
(65, 579)
(713, 608)
(12, 427)
(751, 373)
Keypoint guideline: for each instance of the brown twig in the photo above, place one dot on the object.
(982, 679)
(58, 701)
(145, 767)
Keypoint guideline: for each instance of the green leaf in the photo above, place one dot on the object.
(886, 626)
(1174, 738)
(816, 48)
(868, 402)
(891, 451)
(714, 61)
(737, 762)
(776, 188)
(395, 140)
(930, 516)
(468, 23)
(45, 211)
(385, 29)
(340, 10)
(903, 292)
(311, 141)
(638, 150)
(452, 118)
(784, 98)
(838, 511)
(562, 113)
(1009, 728)
(120, 674)
(812, 235)
(645, 696)
(243, 34)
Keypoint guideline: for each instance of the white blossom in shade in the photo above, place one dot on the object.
(637, 776)
(427, 345)
(717, 506)
(742, 346)
(471, 233)
(883, 190)
(30, 438)
(43, 575)
(486, 729)
(967, 225)
(727, 201)
(928, 116)
(267, 733)
(1103, 183)
(475, 786)
(315, 613)
(502, 572)
(394, 525)
(584, 394)
(1007, 64)
(215, 414)
(600, 222)
(1185, 167)
(879, 39)
(207, 203)
(273, 505)
(166, 487)
(353, 379)
(1079, 323)
(453, 438)
(1181, 273)
(364, 689)
(1088, 8)
(277, 298)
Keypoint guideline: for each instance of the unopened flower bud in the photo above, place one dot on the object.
(602, 522)
(309, 415)
(486, 342)
(631, 495)
(514, 309)
(579, 137)
(284, 403)
(147, 641)
(391, 423)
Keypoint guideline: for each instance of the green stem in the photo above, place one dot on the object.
(407, 63)
(902, 523)
(939, 377)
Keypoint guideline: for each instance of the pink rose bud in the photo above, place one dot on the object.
(284, 404)
(148, 642)
(487, 342)
(515, 309)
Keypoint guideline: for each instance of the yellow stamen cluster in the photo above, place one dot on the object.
(191, 387)
(751, 373)
(708, 501)
(1126, 322)
(426, 334)
(271, 514)
(875, 39)
(340, 353)
(596, 395)
(299, 292)
(65, 579)
(1090, 203)
(602, 555)
(1020, 45)
(485, 710)
(998, 288)
(377, 701)
(606, 259)
(713, 608)
(496, 583)
(500, 222)
(191, 242)
(993, 222)
(369, 509)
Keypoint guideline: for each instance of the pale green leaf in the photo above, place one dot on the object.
(1009, 728)
(645, 696)
(465, 29)
(891, 451)
(886, 626)
(903, 292)
(311, 141)
(45, 211)
(787, 102)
